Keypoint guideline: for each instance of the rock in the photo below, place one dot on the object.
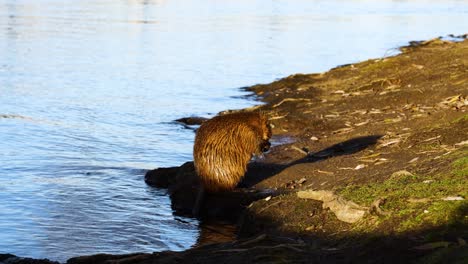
(107, 258)
(183, 189)
(401, 174)
(461, 241)
(346, 211)
(191, 121)
(182, 184)
(12, 259)
(161, 177)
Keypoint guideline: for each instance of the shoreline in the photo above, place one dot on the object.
(363, 133)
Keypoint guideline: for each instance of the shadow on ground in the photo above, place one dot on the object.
(258, 171)
(298, 248)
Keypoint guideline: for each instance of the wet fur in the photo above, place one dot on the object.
(225, 144)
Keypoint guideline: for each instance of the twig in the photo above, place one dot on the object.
(375, 207)
(290, 100)
(268, 206)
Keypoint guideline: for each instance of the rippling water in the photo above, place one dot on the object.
(88, 90)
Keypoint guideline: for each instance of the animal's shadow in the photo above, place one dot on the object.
(258, 171)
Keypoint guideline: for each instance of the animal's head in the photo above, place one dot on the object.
(266, 132)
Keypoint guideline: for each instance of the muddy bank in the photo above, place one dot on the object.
(384, 139)
(395, 126)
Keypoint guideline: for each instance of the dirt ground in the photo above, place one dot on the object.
(385, 137)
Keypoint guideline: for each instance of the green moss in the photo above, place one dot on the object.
(446, 216)
(415, 202)
(461, 167)
(397, 191)
(463, 118)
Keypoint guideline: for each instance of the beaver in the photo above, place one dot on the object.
(224, 146)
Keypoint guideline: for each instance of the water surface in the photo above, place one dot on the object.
(89, 89)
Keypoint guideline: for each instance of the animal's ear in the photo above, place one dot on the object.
(263, 115)
(264, 121)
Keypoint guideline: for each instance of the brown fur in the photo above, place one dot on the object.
(225, 144)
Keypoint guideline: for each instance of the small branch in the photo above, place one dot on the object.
(290, 100)
(375, 207)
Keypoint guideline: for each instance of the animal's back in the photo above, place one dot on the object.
(223, 147)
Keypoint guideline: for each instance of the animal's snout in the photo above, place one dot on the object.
(266, 146)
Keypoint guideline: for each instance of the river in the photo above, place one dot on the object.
(89, 91)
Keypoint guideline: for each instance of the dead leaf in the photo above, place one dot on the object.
(463, 143)
(299, 150)
(453, 198)
(371, 156)
(343, 130)
(390, 142)
(375, 111)
(362, 123)
(338, 92)
(420, 200)
(325, 172)
(430, 139)
(380, 161)
(301, 181)
(360, 166)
